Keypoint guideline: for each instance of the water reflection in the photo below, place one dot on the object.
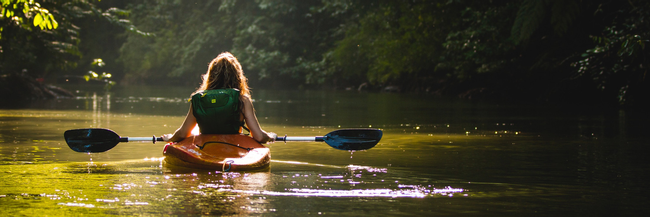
(436, 157)
(100, 119)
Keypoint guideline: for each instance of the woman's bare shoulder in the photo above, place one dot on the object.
(246, 101)
(246, 98)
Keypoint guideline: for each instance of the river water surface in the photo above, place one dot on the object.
(437, 157)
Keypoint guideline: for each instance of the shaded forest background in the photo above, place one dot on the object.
(562, 51)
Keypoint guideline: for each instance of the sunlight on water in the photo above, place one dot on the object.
(436, 157)
(414, 192)
(305, 163)
(78, 205)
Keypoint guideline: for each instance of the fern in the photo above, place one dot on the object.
(529, 17)
(563, 14)
(532, 13)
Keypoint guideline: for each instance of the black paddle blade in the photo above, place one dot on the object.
(91, 140)
(353, 139)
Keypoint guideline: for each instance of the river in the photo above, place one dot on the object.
(437, 157)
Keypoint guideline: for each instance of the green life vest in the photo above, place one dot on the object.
(217, 111)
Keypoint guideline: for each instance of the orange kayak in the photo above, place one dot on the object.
(233, 152)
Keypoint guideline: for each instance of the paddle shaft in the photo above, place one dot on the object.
(145, 139)
(300, 139)
(284, 138)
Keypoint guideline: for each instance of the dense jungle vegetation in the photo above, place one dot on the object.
(530, 50)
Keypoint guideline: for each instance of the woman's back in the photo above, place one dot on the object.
(218, 111)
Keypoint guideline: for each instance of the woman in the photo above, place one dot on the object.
(222, 105)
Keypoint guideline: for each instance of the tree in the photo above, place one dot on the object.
(533, 49)
(618, 62)
(53, 47)
(276, 41)
(20, 11)
(187, 36)
(19, 40)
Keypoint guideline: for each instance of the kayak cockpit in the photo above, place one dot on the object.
(231, 152)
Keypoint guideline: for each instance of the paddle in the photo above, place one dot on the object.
(100, 140)
(345, 139)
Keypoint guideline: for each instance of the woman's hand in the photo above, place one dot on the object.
(272, 137)
(167, 137)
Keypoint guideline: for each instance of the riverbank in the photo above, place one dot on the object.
(17, 87)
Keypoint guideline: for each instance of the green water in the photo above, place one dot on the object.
(437, 157)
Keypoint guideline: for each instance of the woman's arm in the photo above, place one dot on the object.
(185, 130)
(252, 123)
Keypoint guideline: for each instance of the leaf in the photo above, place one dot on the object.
(53, 21)
(38, 19)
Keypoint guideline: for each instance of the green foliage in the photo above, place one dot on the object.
(441, 46)
(618, 62)
(282, 42)
(389, 41)
(274, 40)
(98, 62)
(20, 10)
(50, 46)
(53, 46)
(476, 43)
(417, 45)
(532, 15)
(103, 77)
(258, 39)
(187, 34)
